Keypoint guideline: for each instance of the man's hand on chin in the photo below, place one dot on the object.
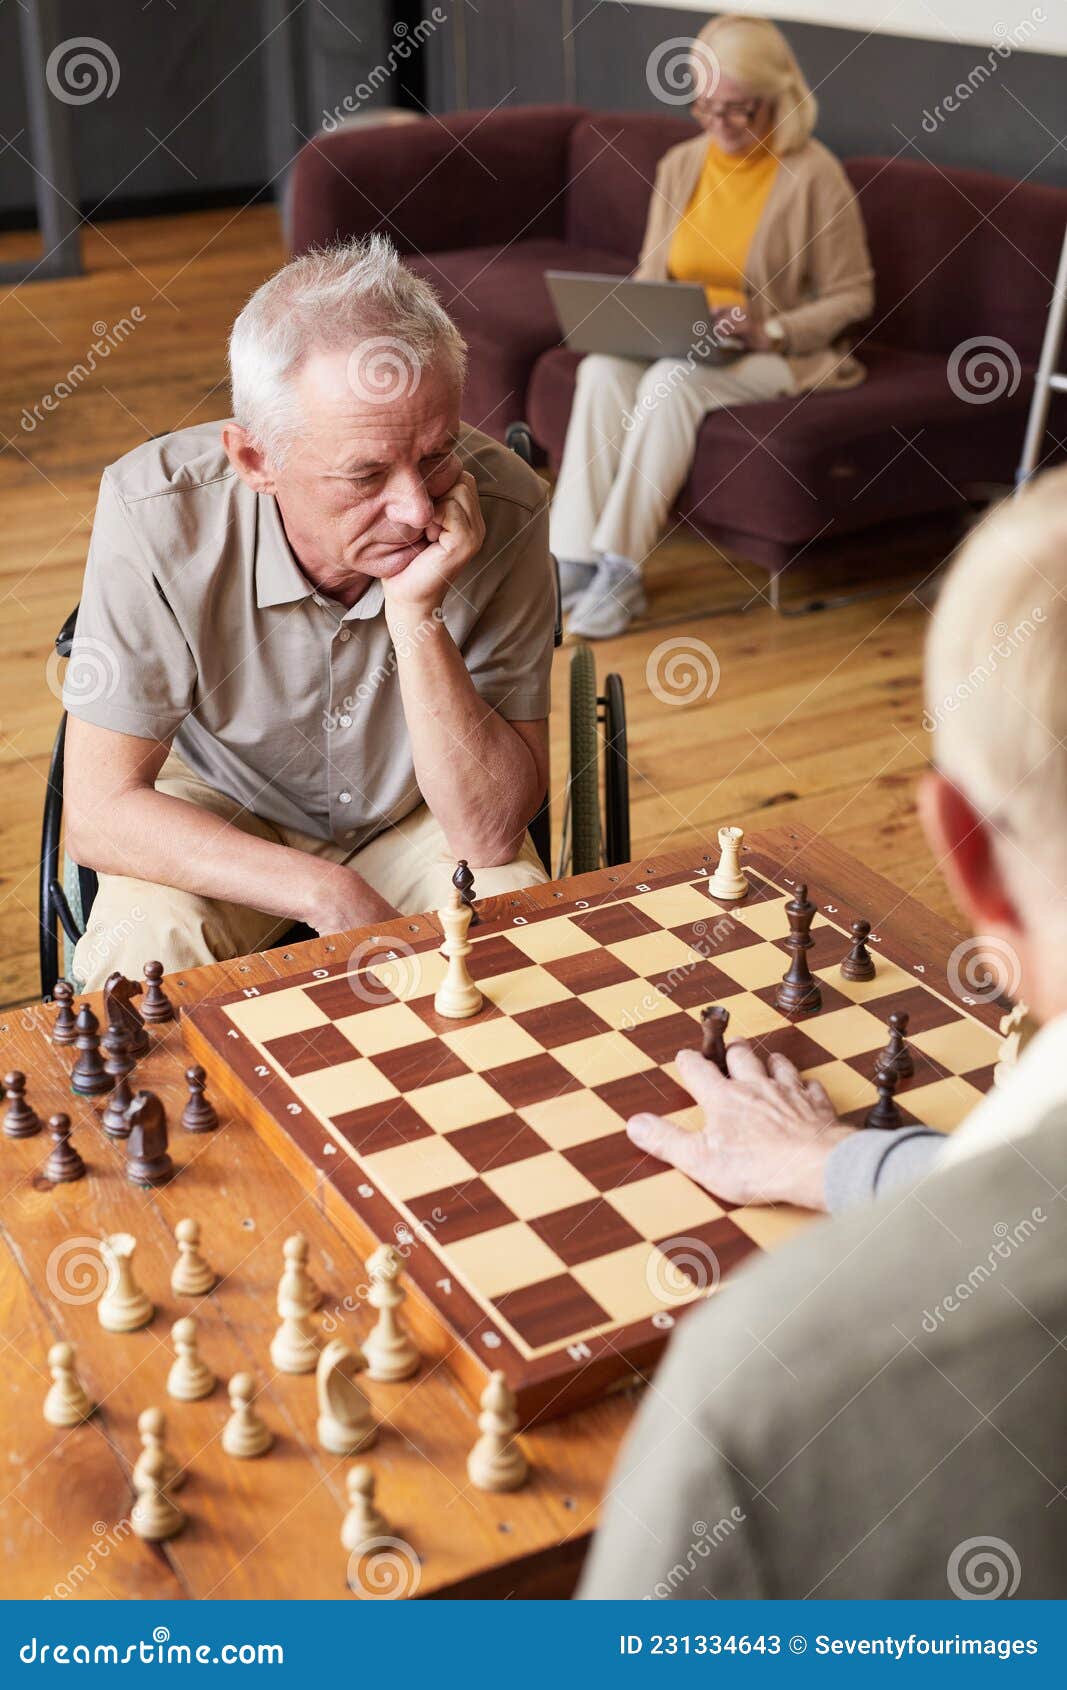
(454, 537)
(766, 1134)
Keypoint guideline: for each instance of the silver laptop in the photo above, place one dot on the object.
(637, 319)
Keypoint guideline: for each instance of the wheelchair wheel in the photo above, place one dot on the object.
(616, 775)
(581, 822)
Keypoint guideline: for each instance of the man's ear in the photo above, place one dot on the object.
(247, 460)
(962, 841)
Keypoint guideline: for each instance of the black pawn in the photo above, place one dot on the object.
(896, 1058)
(799, 992)
(156, 1007)
(885, 1112)
(859, 963)
(147, 1158)
(198, 1116)
(713, 1024)
(63, 1163)
(64, 1027)
(88, 1076)
(463, 881)
(20, 1121)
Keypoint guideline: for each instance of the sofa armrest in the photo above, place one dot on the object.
(467, 179)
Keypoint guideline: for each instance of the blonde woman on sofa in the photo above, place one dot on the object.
(763, 216)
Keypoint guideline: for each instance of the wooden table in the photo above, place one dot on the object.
(267, 1528)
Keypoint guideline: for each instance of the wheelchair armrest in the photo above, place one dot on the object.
(65, 637)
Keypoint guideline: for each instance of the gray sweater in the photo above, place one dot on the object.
(874, 1162)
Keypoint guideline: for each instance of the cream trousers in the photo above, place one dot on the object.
(630, 443)
(133, 920)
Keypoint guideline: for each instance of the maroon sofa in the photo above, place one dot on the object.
(483, 203)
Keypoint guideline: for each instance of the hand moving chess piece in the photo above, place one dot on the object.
(156, 1007)
(20, 1121)
(88, 1076)
(389, 1352)
(198, 1116)
(64, 1163)
(152, 1427)
(147, 1158)
(799, 992)
(297, 1290)
(123, 1016)
(346, 1424)
(64, 1029)
(190, 1378)
(155, 1516)
(363, 1525)
(496, 1463)
(713, 1024)
(457, 996)
(859, 963)
(191, 1276)
(123, 1306)
(67, 1403)
(727, 882)
(245, 1435)
(119, 1065)
(463, 881)
(896, 1055)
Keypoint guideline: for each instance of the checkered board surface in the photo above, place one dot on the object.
(546, 1244)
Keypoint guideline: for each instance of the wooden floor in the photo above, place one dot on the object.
(813, 719)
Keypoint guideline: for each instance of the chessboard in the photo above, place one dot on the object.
(493, 1151)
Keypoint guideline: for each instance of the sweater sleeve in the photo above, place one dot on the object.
(873, 1162)
(840, 274)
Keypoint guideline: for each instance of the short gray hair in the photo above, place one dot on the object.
(358, 294)
(995, 699)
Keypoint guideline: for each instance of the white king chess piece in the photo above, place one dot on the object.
(728, 881)
(457, 996)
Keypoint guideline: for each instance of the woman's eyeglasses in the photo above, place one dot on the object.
(731, 111)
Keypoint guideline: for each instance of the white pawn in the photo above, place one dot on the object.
(152, 1426)
(457, 996)
(390, 1353)
(124, 1307)
(67, 1403)
(363, 1523)
(294, 1347)
(346, 1424)
(245, 1433)
(190, 1378)
(296, 1288)
(192, 1276)
(727, 881)
(496, 1463)
(155, 1515)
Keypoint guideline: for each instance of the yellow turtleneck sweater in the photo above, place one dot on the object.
(710, 244)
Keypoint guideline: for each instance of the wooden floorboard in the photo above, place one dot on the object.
(813, 719)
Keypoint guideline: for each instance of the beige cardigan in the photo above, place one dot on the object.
(808, 264)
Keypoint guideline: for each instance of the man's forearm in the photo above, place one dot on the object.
(475, 772)
(152, 836)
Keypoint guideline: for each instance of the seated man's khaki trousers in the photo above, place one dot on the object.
(133, 921)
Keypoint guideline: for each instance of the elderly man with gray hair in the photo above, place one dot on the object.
(875, 1410)
(311, 666)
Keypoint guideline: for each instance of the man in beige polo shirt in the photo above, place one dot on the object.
(311, 667)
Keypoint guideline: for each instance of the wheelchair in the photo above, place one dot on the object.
(592, 837)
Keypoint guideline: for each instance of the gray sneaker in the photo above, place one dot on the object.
(610, 602)
(574, 578)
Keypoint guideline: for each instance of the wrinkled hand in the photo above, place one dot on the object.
(766, 1134)
(456, 535)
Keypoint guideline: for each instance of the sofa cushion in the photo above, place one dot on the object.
(612, 163)
(498, 297)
